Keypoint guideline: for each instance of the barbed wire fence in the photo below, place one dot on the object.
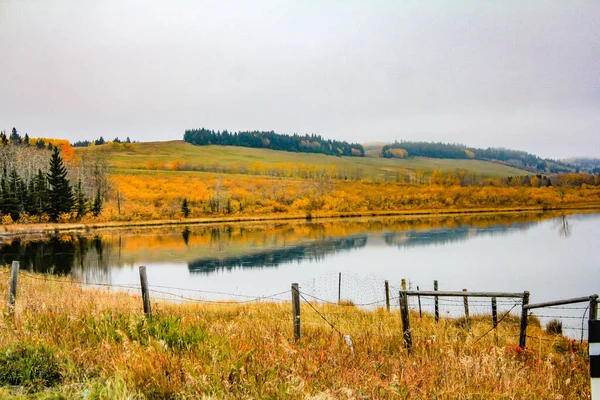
(339, 301)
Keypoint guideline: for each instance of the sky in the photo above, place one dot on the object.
(515, 74)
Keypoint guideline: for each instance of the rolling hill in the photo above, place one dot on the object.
(149, 155)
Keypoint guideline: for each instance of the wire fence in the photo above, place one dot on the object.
(345, 303)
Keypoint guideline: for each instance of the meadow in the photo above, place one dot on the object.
(66, 341)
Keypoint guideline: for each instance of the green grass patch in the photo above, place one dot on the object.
(32, 367)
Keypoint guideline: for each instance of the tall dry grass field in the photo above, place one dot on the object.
(66, 341)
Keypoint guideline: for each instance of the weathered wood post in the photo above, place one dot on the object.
(405, 320)
(419, 298)
(436, 300)
(403, 284)
(594, 308)
(466, 302)
(12, 294)
(523, 333)
(145, 293)
(296, 310)
(387, 296)
(494, 312)
(340, 288)
(594, 345)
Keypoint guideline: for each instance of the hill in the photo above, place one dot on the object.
(232, 159)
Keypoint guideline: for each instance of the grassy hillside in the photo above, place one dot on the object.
(138, 156)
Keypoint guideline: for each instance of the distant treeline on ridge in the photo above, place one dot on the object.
(273, 141)
(515, 158)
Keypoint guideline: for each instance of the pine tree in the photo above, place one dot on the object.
(97, 205)
(60, 193)
(15, 138)
(80, 201)
(26, 140)
(40, 193)
(185, 210)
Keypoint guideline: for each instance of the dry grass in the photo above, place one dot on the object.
(104, 348)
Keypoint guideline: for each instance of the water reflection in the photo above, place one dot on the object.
(207, 250)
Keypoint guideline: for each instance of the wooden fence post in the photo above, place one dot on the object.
(12, 294)
(403, 284)
(494, 312)
(405, 320)
(594, 349)
(437, 304)
(466, 302)
(523, 333)
(419, 298)
(296, 310)
(340, 288)
(145, 293)
(387, 296)
(594, 308)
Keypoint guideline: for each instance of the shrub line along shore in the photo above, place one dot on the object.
(8, 231)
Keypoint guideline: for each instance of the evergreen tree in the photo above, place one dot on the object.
(40, 193)
(13, 204)
(80, 201)
(60, 193)
(3, 138)
(40, 144)
(15, 138)
(185, 209)
(97, 205)
(26, 140)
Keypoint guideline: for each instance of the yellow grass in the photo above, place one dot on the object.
(101, 345)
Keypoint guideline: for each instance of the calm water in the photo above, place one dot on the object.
(552, 256)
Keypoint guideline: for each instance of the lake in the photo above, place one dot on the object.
(548, 254)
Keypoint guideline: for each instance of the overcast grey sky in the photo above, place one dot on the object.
(517, 74)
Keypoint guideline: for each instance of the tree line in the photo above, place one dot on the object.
(515, 158)
(35, 182)
(274, 141)
(100, 141)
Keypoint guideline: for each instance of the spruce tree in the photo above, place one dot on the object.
(185, 209)
(60, 193)
(80, 201)
(97, 206)
(40, 193)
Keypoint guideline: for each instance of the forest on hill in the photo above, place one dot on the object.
(273, 141)
(514, 158)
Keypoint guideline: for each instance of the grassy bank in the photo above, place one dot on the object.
(70, 342)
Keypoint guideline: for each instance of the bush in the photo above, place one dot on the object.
(554, 327)
(30, 366)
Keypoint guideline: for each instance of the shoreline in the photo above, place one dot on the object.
(18, 230)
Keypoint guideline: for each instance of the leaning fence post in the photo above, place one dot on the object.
(594, 308)
(466, 302)
(387, 296)
(594, 346)
(437, 304)
(296, 310)
(405, 320)
(145, 293)
(523, 333)
(12, 294)
(419, 298)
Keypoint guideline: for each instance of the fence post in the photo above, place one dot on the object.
(494, 312)
(594, 308)
(437, 304)
(296, 310)
(523, 333)
(340, 288)
(145, 293)
(12, 294)
(594, 345)
(419, 298)
(466, 302)
(403, 284)
(387, 296)
(405, 320)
